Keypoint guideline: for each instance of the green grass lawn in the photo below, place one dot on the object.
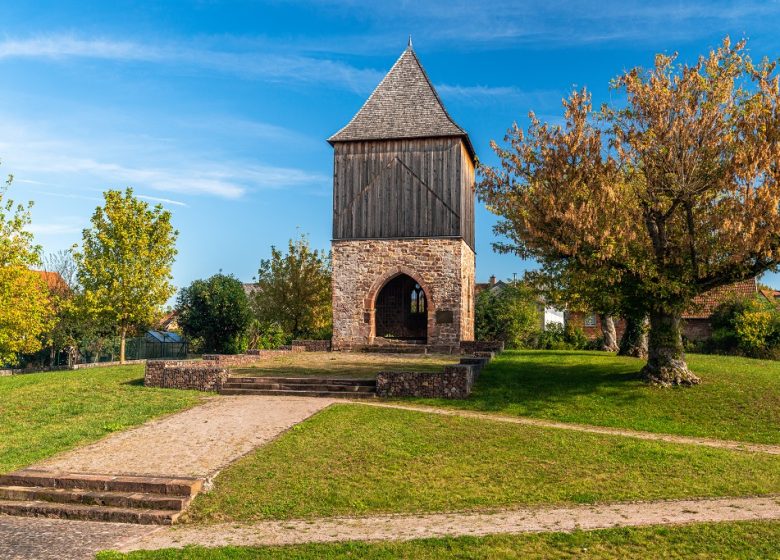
(45, 413)
(706, 540)
(738, 399)
(355, 460)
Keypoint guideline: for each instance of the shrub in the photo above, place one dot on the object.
(558, 337)
(744, 326)
(510, 315)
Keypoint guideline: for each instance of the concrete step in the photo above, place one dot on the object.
(35, 508)
(304, 380)
(301, 387)
(180, 486)
(300, 393)
(135, 500)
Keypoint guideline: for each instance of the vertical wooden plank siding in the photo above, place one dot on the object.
(403, 188)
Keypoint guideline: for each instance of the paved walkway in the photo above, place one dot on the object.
(198, 442)
(589, 428)
(407, 527)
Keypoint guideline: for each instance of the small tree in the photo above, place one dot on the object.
(216, 311)
(510, 314)
(124, 264)
(294, 290)
(677, 191)
(25, 306)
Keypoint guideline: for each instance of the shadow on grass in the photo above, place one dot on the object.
(538, 380)
(134, 382)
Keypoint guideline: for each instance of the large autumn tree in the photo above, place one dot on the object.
(674, 192)
(25, 306)
(124, 263)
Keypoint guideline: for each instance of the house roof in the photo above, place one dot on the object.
(404, 105)
(704, 304)
(54, 281)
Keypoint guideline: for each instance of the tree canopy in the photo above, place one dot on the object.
(674, 192)
(124, 264)
(25, 303)
(294, 290)
(216, 313)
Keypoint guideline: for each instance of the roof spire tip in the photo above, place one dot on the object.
(409, 46)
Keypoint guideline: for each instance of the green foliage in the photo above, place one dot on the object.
(294, 291)
(558, 337)
(25, 306)
(510, 314)
(746, 326)
(266, 336)
(124, 264)
(216, 312)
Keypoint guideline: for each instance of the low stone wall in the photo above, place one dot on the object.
(89, 365)
(472, 346)
(312, 345)
(185, 374)
(230, 359)
(454, 382)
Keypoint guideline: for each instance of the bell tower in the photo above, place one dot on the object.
(403, 218)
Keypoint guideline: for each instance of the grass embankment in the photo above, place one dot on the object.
(45, 413)
(343, 364)
(739, 398)
(705, 540)
(357, 460)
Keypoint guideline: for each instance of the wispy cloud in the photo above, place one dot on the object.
(497, 94)
(161, 200)
(250, 64)
(61, 227)
(50, 159)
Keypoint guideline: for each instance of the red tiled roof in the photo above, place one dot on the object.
(54, 281)
(704, 304)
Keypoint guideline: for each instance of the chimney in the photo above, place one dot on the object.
(493, 280)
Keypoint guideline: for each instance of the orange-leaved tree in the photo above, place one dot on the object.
(674, 192)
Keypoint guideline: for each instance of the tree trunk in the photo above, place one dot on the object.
(608, 332)
(665, 357)
(123, 336)
(633, 343)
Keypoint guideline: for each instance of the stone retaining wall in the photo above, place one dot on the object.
(454, 382)
(185, 374)
(472, 346)
(312, 345)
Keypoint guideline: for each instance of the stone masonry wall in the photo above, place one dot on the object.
(311, 345)
(443, 267)
(185, 374)
(454, 382)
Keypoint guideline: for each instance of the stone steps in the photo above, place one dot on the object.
(301, 393)
(120, 499)
(300, 387)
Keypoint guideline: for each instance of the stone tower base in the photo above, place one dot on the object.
(443, 267)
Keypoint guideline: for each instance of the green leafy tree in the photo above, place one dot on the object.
(675, 190)
(124, 264)
(510, 314)
(216, 312)
(25, 306)
(294, 290)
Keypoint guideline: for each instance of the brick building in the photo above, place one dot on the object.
(696, 319)
(403, 218)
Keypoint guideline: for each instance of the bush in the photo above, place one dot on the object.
(558, 337)
(510, 315)
(744, 326)
(267, 336)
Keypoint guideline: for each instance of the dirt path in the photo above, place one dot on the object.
(671, 438)
(406, 527)
(197, 442)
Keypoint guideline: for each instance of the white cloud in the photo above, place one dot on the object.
(252, 64)
(161, 200)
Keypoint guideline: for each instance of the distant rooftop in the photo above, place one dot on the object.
(404, 105)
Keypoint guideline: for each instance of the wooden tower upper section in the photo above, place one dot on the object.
(402, 167)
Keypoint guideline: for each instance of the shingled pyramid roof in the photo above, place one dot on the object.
(403, 105)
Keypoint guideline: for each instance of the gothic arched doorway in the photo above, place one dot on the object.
(401, 310)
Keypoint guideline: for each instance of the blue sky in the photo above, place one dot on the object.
(220, 110)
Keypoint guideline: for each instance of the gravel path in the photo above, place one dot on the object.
(197, 442)
(671, 438)
(406, 527)
(26, 538)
